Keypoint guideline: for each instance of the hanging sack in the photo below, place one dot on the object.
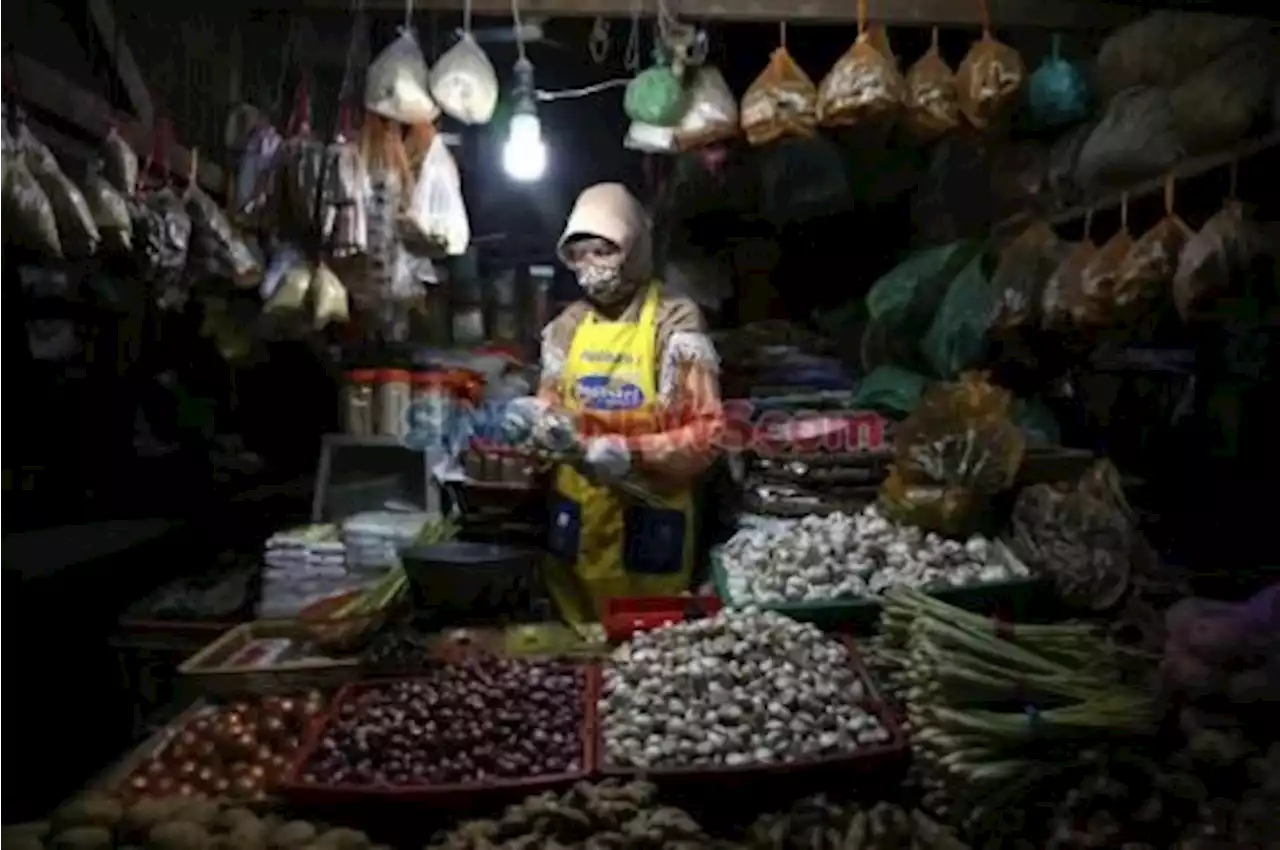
(933, 107)
(28, 214)
(76, 231)
(1022, 273)
(345, 223)
(712, 113)
(109, 209)
(464, 84)
(656, 96)
(119, 163)
(1134, 140)
(290, 294)
(1163, 48)
(988, 78)
(781, 101)
(863, 85)
(396, 85)
(216, 248)
(1058, 90)
(437, 210)
(1219, 104)
(1063, 291)
(1148, 269)
(330, 298)
(1098, 279)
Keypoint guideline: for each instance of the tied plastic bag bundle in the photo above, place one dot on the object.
(437, 211)
(216, 248)
(1080, 536)
(161, 239)
(988, 78)
(1058, 90)
(464, 83)
(1226, 247)
(29, 221)
(656, 96)
(300, 163)
(1063, 291)
(397, 83)
(255, 177)
(1134, 140)
(864, 84)
(712, 113)
(1163, 48)
(782, 101)
(330, 298)
(345, 221)
(77, 233)
(1148, 268)
(287, 282)
(957, 337)
(119, 163)
(109, 209)
(1023, 271)
(956, 451)
(933, 107)
(1099, 278)
(1219, 104)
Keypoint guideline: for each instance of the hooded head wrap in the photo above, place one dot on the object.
(609, 211)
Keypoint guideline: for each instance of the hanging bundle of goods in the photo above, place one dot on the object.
(30, 222)
(712, 112)
(161, 226)
(1021, 274)
(1100, 276)
(77, 234)
(1146, 273)
(1062, 300)
(110, 210)
(1058, 90)
(463, 82)
(864, 85)
(782, 101)
(932, 103)
(216, 249)
(988, 78)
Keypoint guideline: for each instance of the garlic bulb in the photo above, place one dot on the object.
(842, 556)
(743, 687)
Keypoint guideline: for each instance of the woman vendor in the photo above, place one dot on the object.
(634, 371)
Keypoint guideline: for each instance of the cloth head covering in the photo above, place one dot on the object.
(609, 211)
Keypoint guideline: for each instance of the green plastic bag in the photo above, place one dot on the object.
(1058, 91)
(656, 96)
(956, 338)
(890, 390)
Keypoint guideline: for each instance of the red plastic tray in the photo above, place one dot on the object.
(626, 615)
(867, 761)
(293, 788)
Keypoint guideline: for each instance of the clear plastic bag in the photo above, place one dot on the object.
(330, 298)
(397, 83)
(1148, 268)
(345, 220)
(1063, 291)
(464, 84)
(77, 233)
(1022, 273)
(712, 114)
(286, 257)
(437, 209)
(216, 248)
(648, 138)
(781, 101)
(863, 85)
(987, 80)
(120, 163)
(1098, 278)
(253, 180)
(933, 108)
(1228, 242)
(109, 209)
(28, 214)
(290, 295)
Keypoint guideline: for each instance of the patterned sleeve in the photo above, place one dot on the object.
(556, 339)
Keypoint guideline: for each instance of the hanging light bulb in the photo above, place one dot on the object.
(524, 155)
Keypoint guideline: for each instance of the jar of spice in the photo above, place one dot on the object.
(358, 403)
(393, 402)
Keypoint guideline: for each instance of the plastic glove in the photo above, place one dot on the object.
(608, 457)
(521, 418)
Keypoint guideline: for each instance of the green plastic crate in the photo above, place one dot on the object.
(1024, 600)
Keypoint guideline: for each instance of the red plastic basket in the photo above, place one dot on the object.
(294, 789)
(871, 761)
(626, 615)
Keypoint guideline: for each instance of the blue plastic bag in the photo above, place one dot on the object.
(1058, 90)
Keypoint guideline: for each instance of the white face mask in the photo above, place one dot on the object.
(603, 282)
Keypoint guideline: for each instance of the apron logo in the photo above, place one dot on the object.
(599, 392)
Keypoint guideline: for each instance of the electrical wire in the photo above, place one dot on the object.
(544, 96)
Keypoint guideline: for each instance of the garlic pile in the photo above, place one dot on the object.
(742, 687)
(840, 556)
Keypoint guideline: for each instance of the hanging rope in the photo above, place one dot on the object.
(466, 17)
(408, 15)
(598, 41)
(631, 57)
(782, 34)
(519, 27)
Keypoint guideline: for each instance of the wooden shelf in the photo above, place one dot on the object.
(1188, 168)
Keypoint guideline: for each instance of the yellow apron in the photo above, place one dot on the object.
(603, 544)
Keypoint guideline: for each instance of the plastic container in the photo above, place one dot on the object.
(295, 790)
(358, 403)
(876, 763)
(434, 407)
(461, 583)
(1015, 600)
(394, 396)
(626, 615)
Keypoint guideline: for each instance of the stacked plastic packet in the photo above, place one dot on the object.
(374, 539)
(303, 565)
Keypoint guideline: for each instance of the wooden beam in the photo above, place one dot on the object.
(45, 89)
(1045, 14)
(122, 61)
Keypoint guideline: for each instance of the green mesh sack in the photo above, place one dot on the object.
(957, 337)
(656, 96)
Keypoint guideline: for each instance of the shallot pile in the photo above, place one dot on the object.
(487, 718)
(841, 556)
(743, 687)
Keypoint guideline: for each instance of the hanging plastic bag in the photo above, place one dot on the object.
(345, 222)
(712, 113)
(216, 248)
(286, 257)
(647, 138)
(300, 165)
(291, 293)
(76, 231)
(1022, 273)
(1218, 104)
(397, 83)
(28, 214)
(330, 298)
(656, 96)
(437, 209)
(1148, 269)
(253, 180)
(119, 163)
(1058, 90)
(957, 337)
(1063, 291)
(988, 78)
(933, 107)
(1134, 140)
(863, 85)
(781, 101)
(109, 209)
(1098, 279)
(464, 84)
